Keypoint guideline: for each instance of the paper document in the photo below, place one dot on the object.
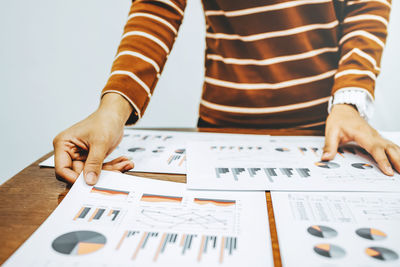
(338, 229)
(283, 163)
(131, 221)
(161, 151)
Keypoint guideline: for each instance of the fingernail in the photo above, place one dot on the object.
(326, 155)
(91, 178)
(389, 170)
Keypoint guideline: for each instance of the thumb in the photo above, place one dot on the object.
(331, 145)
(94, 163)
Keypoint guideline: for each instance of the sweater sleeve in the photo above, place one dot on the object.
(364, 31)
(148, 37)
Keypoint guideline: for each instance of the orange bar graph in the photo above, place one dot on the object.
(203, 238)
(182, 240)
(139, 245)
(79, 213)
(221, 253)
(159, 247)
(94, 214)
(182, 160)
(122, 240)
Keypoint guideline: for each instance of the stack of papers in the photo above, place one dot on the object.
(339, 213)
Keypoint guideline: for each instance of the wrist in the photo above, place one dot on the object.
(115, 105)
(344, 106)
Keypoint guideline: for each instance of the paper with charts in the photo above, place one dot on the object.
(338, 228)
(131, 221)
(161, 151)
(284, 163)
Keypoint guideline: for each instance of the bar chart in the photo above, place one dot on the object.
(263, 173)
(98, 215)
(158, 246)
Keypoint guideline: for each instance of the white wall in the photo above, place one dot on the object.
(55, 57)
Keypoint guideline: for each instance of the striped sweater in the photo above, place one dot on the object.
(268, 63)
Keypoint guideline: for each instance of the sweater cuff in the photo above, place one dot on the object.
(359, 97)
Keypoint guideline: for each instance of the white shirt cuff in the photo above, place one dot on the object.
(359, 97)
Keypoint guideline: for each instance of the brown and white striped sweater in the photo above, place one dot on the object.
(269, 63)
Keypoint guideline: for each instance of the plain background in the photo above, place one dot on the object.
(55, 57)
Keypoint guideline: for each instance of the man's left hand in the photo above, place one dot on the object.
(344, 124)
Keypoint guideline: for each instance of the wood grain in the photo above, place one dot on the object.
(28, 198)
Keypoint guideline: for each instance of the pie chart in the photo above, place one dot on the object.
(282, 149)
(329, 251)
(382, 254)
(362, 166)
(321, 231)
(327, 164)
(79, 242)
(371, 234)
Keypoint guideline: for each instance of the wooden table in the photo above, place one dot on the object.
(29, 197)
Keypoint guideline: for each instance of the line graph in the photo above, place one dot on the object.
(196, 219)
(387, 214)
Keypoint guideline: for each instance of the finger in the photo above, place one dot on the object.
(379, 155)
(94, 162)
(393, 152)
(119, 159)
(77, 166)
(63, 165)
(332, 140)
(122, 166)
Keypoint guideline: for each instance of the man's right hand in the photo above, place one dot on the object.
(85, 145)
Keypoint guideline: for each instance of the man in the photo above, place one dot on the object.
(269, 64)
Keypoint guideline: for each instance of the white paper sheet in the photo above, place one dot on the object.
(338, 229)
(161, 151)
(285, 163)
(131, 221)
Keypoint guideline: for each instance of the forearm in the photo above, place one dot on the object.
(148, 37)
(114, 104)
(364, 32)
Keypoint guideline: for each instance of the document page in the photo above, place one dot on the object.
(161, 151)
(130, 221)
(283, 163)
(338, 229)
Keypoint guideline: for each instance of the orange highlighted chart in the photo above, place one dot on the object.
(362, 166)
(327, 164)
(109, 192)
(157, 246)
(98, 214)
(329, 251)
(79, 243)
(371, 233)
(216, 202)
(382, 254)
(160, 198)
(322, 231)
